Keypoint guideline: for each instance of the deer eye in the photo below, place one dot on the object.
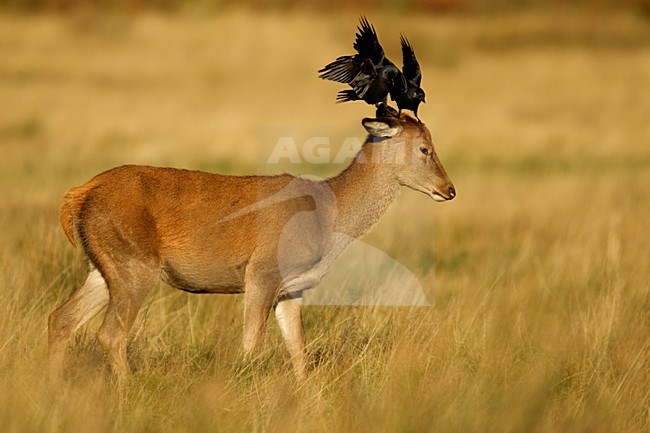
(424, 151)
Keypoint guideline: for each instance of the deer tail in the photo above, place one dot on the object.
(71, 205)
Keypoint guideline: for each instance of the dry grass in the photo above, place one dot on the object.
(539, 269)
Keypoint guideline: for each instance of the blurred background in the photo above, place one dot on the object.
(538, 271)
(336, 5)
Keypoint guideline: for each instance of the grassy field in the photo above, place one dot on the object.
(538, 271)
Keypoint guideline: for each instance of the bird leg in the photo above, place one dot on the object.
(385, 110)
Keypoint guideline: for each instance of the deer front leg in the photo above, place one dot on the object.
(288, 313)
(257, 304)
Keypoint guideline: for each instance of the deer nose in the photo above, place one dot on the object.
(452, 192)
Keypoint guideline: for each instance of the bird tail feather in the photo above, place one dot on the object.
(346, 95)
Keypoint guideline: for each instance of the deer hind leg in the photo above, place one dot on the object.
(288, 315)
(82, 306)
(127, 290)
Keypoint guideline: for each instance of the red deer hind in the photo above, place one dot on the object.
(269, 237)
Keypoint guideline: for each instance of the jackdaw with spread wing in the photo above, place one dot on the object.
(369, 72)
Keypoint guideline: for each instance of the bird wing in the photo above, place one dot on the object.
(343, 69)
(363, 79)
(398, 89)
(411, 67)
(367, 44)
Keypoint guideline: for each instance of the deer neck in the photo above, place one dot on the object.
(363, 192)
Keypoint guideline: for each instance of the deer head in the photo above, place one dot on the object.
(404, 145)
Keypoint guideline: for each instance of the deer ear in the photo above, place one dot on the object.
(384, 127)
